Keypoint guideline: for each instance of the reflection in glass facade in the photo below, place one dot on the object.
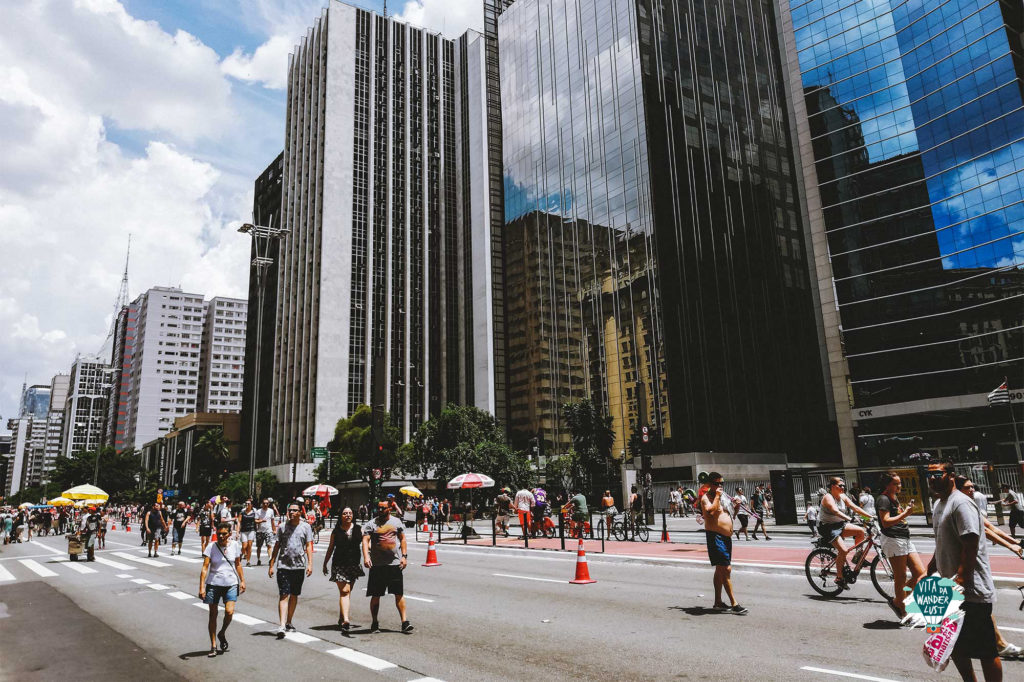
(655, 260)
(914, 135)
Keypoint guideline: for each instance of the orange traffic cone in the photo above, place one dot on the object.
(582, 572)
(425, 528)
(128, 528)
(664, 535)
(432, 553)
(113, 525)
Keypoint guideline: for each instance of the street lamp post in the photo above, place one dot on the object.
(262, 236)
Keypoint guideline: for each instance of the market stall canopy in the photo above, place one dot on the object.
(61, 502)
(471, 480)
(85, 492)
(319, 490)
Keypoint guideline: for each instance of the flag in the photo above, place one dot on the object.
(1000, 396)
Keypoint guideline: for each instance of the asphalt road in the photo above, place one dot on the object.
(485, 614)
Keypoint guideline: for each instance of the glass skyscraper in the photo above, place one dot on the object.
(910, 124)
(654, 255)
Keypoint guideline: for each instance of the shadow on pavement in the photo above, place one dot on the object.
(699, 611)
(194, 654)
(844, 600)
(882, 625)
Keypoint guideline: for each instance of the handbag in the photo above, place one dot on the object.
(939, 646)
(232, 565)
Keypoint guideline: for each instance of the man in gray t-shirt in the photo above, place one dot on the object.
(960, 554)
(293, 556)
(385, 553)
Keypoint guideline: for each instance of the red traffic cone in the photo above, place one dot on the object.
(432, 553)
(113, 525)
(128, 528)
(425, 528)
(582, 572)
(664, 535)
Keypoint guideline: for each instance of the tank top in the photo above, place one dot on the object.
(827, 517)
(248, 521)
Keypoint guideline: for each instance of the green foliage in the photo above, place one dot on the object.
(118, 471)
(33, 494)
(210, 461)
(592, 439)
(356, 450)
(236, 485)
(466, 439)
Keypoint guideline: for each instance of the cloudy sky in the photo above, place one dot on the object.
(142, 117)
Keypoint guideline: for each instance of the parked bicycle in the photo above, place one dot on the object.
(820, 566)
(624, 528)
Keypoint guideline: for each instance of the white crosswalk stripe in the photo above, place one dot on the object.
(114, 564)
(5, 574)
(179, 595)
(75, 566)
(142, 560)
(359, 658)
(248, 620)
(186, 559)
(158, 587)
(36, 568)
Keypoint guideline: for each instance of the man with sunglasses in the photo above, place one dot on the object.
(961, 554)
(293, 553)
(718, 533)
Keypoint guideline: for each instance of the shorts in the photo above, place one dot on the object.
(978, 637)
(289, 581)
(247, 536)
(501, 519)
(218, 593)
(897, 546)
(264, 538)
(579, 517)
(744, 519)
(205, 532)
(719, 548)
(385, 579)
(179, 535)
(831, 531)
(1016, 517)
(153, 535)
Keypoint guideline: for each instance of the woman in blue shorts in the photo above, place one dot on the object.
(221, 580)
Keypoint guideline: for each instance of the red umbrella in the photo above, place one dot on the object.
(471, 481)
(320, 490)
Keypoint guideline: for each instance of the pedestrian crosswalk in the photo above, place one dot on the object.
(107, 563)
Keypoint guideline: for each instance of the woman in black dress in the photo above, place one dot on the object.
(345, 546)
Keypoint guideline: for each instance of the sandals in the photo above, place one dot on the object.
(213, 652)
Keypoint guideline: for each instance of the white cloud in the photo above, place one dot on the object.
(268, 65)
(449, 17)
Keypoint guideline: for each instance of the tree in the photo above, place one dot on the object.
(119, 472)
(592, 440)
(356, 450)
(210, 460)
(463, 439)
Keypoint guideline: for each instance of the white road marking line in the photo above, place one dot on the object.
(301, 637)
(124, 575)
(429, 601)
(37, 568)
(1003, 627)
(157, 586)
(840, 673)
(248, 620)
(426, 679)
(140, 581)
(75, 566)
(5, 574)
(179, 595)
(147, 561)
(526, 577)
(359, 658)
(186, 559)
(114, 564)
(41, 545)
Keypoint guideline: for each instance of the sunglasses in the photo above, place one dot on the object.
(294, 510)
(841, 486)
(716, 482)
(936, 474)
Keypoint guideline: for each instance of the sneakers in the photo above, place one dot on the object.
(259, 563)
(345, 626)
(280, 632)
(289, 627)
(223, 641)
(374, 626)
(720, 608)
(1010, 651)
(406, 626)
(738, 610)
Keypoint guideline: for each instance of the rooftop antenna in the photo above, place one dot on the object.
(120, 302)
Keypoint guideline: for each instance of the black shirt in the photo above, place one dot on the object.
(180, 517)
(156, 521)
(248, 521)
(205, 525)
(901, 529)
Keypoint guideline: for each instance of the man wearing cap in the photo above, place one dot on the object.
(385, 554)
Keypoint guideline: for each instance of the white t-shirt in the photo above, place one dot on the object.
(266, 516)
(737, 501)
(222, 564)
(224, 513)
(524, 500)
(675, 496)
(867, 503)
(812, 513)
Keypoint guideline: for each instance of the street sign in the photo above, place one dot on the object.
(318, 453)
(170, 493)
(377, 473)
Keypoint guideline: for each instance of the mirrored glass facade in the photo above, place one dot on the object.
(914, 142)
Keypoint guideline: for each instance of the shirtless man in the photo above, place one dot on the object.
(718, 532)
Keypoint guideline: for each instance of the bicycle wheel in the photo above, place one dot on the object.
(820, 569)
(643, 533)
(549, 531)
(619, 530)
(882, 577)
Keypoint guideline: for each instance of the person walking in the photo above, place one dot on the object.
(718, 536)
(386, 555)
(180, 518)
(221, 579)
(446, 513)
(344, 551)
(674, 499)
(1014, 502)
(294, 553)
(246, 527)
(867, 501)
(155, 525)
(205, 525)
(895, 540)
(760, 505)
(524, 506)
(739, 504)
(266, 526)
(811, 517)
(961, 554)
(503, 508)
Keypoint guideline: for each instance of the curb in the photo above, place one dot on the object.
(1003, 581)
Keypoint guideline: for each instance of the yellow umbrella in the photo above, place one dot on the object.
(24, 505)
(410, 490)
(86, 492)
(61, 502)
(97, 502)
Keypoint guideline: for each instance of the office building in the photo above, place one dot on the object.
(385, 198)
(174, 455)
(258, 381)
(222, 360)
(909, 120)
(85, 409)
(123, 343)
(654, 254)
(35, 401)
(59, 388)
(163, 381)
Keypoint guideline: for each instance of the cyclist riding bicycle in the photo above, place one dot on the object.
(577, 506)
(834, 523)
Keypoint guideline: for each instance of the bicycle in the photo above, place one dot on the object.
(623, 526)
(820, 566)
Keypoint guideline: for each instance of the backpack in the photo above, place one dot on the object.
(92, 524)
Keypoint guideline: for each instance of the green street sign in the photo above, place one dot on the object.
(318, 453)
